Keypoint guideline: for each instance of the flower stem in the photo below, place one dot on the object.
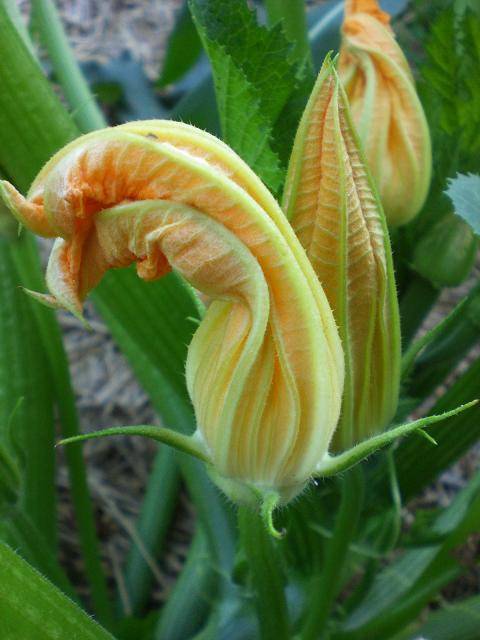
(266, 575)
(87, 114)
(325, 586)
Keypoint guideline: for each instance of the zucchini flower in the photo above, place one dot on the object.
(386, 110)
(333, 207)
(265, 367)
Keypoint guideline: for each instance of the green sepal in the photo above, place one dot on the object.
(332, 465)
(187, 444)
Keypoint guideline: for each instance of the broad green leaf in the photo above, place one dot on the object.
(292, 16)
(32, 607)
(445, 253)
(20, 78)
(464, 192)
(192, 595)
(417, 461)
(456, 621)
(449, 347)
(25, 376)
(253, 80)
(18, 531)
(183, 48)
(408, 583)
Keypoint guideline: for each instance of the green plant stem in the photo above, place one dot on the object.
(86, 113)
(152, 526)
(292, 14)
(325, 587)
(27, 263)
(266, 576)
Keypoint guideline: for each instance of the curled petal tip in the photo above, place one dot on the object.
(50, 301)
(29, 214)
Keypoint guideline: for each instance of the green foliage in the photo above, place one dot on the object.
(247, 61)
(457, 621)
(23, 367)
(450, 93)
(183, 48)
(464, 192)
(31, 607)
(402, 589)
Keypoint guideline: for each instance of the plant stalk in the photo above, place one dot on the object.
(266, 576)
(86, 112)
(325, 587)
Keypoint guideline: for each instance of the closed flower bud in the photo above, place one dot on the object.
(386, 110)
(332, 204)
(265, 367)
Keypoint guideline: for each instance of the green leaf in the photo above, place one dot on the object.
(417, 464)
(400, 591)
(292, 16)
(183, 49)
(20, 79)
(457, 621)
(25, 374)
(31, 607)
(464, 192)
(18, 531)
(457, 337)
(253, 79)
(192, 595)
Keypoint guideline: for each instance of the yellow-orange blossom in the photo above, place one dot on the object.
(265, 367)
(386, 109)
